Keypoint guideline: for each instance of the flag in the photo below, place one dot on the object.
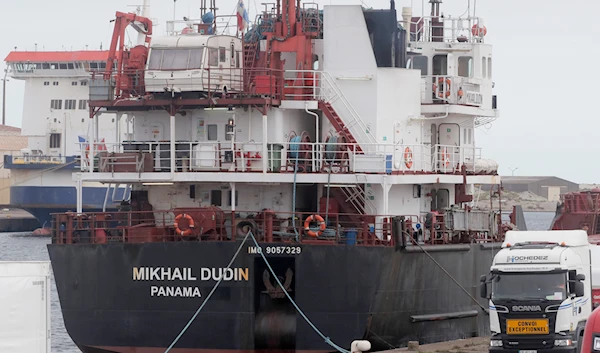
(98, 146)
(242, 16)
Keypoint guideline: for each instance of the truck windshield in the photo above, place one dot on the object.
(527, 286)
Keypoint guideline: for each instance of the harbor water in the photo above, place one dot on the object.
(24, 247)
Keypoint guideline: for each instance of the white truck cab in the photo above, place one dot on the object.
(539, 291)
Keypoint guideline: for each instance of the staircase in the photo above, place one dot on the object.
(342, 115)
(250, 51)
(353, 200)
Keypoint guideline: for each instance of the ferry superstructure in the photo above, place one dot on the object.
(294, 188)
(56, 121)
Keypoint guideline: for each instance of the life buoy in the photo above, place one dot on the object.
(478, 31)
(321, 222)
(408, 158)
(190, 220)
(445, 157)
(441, 82)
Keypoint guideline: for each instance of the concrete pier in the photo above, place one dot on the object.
(467, 345)
(17, 220)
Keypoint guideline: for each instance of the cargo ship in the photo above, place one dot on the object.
(295, 185)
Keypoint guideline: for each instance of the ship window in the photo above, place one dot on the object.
(465, 66)
(46, 83)
(237, 59)
(54, 140)
(84, 83)
(176, 59)
(56, 104)
(53, 66)
(465, 136)
(440, 64)
(222, 54)
(213, 57)
(470, 135)
(62, 66)
(483, 67)
(70, 103)
(215, 197)
(102, 65)
(196, 58)
(489, 67)
(74, 83)
(55, 83)
(45, 66)
(155, 59)
(82, 104)
(212, 132)
(237, 194)
(93, 65)
(70, 66)
(419, 62)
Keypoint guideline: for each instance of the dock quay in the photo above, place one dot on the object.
(16, 220)
(467, 345)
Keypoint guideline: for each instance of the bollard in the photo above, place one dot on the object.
(413, 346)
(360, 346)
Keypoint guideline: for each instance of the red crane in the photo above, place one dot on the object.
(130, 64)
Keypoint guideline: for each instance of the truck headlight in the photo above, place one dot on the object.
(495, 343)
(563, 343)
(597, 343)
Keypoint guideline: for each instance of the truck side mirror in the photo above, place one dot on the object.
(580, 277)
(483, 290)
(579, 291)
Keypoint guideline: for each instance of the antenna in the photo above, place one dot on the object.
(513, 170)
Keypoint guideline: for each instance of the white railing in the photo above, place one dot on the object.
(451, 90)
(452, 30)
(281, 157)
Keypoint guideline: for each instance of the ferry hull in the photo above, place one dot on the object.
(42, 201)
(349, 292)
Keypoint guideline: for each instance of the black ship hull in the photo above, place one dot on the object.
(138, 297)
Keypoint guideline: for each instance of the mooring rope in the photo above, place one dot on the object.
(325, 338)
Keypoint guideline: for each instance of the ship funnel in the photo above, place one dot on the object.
(407, 17)
(360, 346)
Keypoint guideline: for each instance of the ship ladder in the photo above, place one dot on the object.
(249, 234)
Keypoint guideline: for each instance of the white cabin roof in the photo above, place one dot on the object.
(569, 237)
(192, 40)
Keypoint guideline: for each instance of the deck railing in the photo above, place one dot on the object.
(196, 156)
(214, 224)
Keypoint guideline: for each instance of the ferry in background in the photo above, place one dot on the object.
(56, 121)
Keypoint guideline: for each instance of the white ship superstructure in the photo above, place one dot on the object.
(290, 124)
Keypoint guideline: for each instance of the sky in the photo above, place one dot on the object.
(542, 53)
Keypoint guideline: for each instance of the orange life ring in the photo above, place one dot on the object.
(321, 222)
(190, 220)
(408, 158)
(441, 82)
(445, 157)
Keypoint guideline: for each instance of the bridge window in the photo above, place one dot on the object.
(418, 62)
(440, 64)
(483, 67)
(70, 103)
(62, 66)
(82, 104)
(56, 104)
(54, 141)
(465, 66)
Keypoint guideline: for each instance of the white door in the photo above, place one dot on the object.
(449, 146)
(554, 193)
